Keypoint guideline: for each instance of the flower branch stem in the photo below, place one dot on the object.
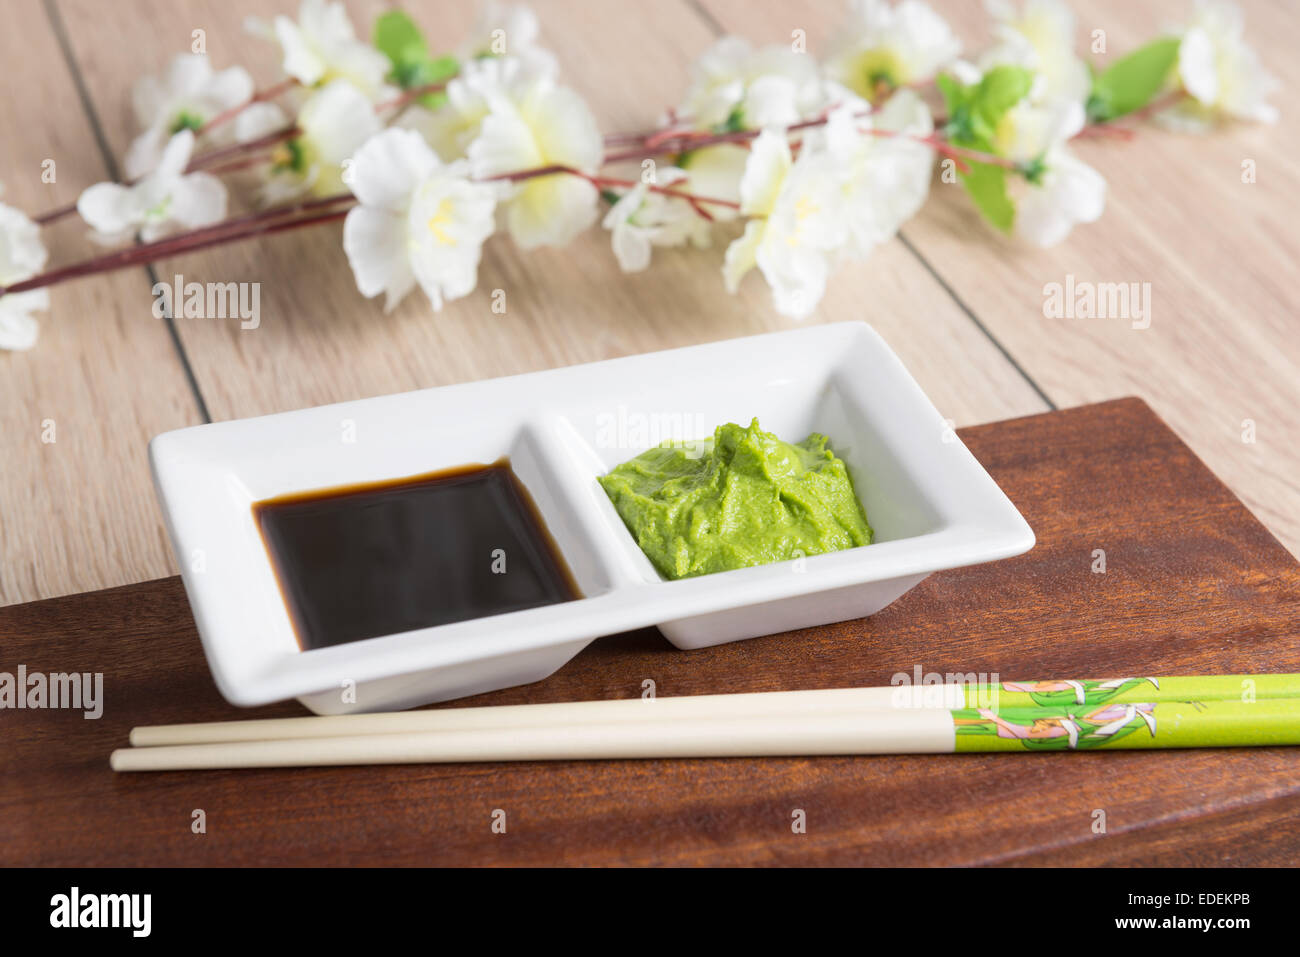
(267, 222)
(520, 176)
(262, 96)
(957, 153)
(407, 97)
(55, 214)
(209, 161)
(236, 165)
(695, 140)
(692, 198)
(205, 161)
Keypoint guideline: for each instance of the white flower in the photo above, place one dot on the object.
(1068, 190)
(642, 219)
(798, 224)
(715, 172)
(507, 29)
(18, 327)
(885, 179)
(517, 118)
(1034, 133)
(187, 96)
(257, 120)
(335, 121)
(1220, 71)
(22, 255)
(321, 46)
(1029, 129)
(1040, 38)
(165, 199)
(734, 85)
(418, 220)
(451, 129)
(896, 46)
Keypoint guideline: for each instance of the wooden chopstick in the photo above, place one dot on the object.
(844, 731)
(552, 714)
(941, 696)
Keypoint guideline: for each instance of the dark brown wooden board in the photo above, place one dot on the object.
(1193, 585)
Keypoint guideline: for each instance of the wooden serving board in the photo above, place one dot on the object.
(1192, 584)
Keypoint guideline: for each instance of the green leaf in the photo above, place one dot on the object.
(956, 98)
(975, 110)
(734, 123)
(429, 72)
(987, 186)
(1133, 81)
(998, 91)
(397, 37)
(954, 94)
(186, 121)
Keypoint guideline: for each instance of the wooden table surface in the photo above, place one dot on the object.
(1193, 584)
(961, 306)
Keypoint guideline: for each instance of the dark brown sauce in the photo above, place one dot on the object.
(359, 561)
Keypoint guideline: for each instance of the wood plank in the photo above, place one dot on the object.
(320, 341)
(76, 513)
(1221, 347)
(1194, 584)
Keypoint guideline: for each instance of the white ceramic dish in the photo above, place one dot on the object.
(931, 504)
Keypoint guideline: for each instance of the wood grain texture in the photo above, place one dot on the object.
(1194, 584)
(1219, 255)
(76, 512)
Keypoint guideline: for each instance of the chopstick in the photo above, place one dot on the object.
(828, 733)
(907, 697)
(843, 731)
(531, 715)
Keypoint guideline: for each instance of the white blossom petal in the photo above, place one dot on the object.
(1071, 192)
(321, 46)
(417, 221)
(765, 171)
(18, 327)
(742, 255)
(258, 120)
(198, 200)
(551, 211)
(715, 172)
(374, 241)
(898, 45)
(110, 209)
(387, 168)
(22, 254)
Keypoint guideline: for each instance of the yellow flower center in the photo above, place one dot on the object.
(803, 208)
(873, 69)
(442, 217)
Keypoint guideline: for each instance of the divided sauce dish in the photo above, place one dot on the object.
(931, 504)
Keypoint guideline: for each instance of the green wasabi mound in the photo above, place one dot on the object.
(743, 498)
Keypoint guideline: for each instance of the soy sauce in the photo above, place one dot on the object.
(361, 561)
